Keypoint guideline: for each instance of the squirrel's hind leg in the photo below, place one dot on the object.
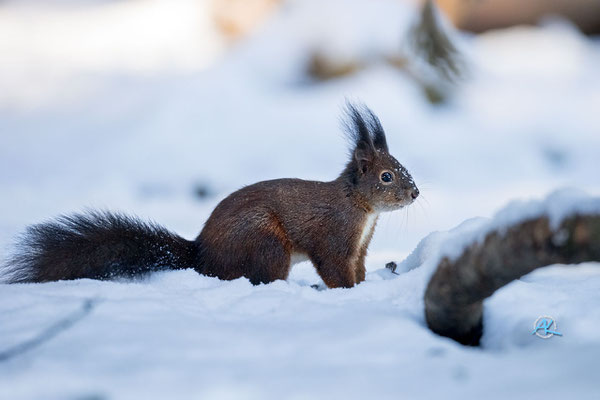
(259, 251)
(269, 259)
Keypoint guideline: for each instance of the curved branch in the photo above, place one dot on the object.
(455, 294)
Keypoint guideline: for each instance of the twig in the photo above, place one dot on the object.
(50, 332)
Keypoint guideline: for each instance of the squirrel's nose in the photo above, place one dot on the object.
(414, 193)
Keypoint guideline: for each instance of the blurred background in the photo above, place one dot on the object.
(163, 107)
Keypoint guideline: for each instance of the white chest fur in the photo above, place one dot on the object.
(368, 226)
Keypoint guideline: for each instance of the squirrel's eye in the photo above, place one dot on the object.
(387, 177)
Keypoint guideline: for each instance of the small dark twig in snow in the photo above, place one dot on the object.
(392, 267)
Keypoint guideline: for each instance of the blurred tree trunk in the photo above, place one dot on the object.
(482, 15)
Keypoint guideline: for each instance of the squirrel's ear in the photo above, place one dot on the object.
(379, 140)
(363, 155)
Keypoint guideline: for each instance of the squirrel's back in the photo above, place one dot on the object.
(97, 245)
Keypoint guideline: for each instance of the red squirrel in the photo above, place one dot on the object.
(257, 232)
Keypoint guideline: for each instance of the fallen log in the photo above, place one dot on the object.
(455, 293)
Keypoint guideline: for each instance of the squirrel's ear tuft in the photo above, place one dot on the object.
(379, 140)
(357, 130)
(363, 128)
(355, 125)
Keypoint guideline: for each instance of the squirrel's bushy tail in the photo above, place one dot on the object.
(97, 245)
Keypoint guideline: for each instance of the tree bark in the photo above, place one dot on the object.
(455, 294)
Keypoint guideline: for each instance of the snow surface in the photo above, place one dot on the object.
(557, 206)
(103, 128)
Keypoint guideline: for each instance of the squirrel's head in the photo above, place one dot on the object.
(372, 172)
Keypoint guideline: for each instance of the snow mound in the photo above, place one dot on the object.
(557, 206)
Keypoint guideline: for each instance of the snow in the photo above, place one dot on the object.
(103, 128)
(557, 206)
